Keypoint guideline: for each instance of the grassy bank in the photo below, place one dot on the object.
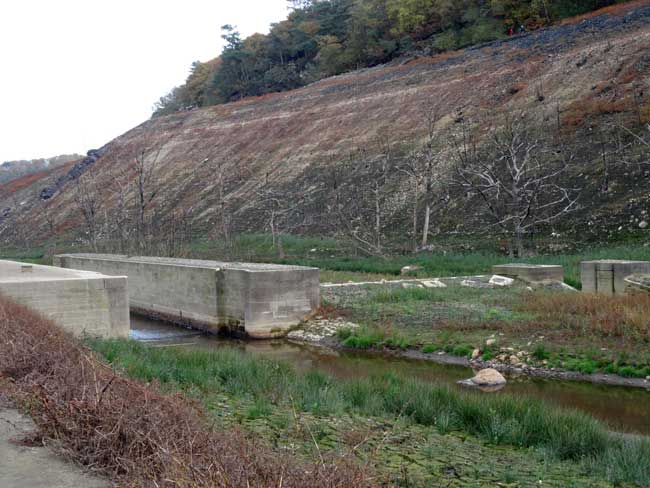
(133, 433)
(578, 442)
(572, 331)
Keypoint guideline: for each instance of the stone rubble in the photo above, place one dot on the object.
(320, 328)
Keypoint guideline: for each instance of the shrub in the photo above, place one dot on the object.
(540, 353)
(609, 316)
(131, 431)
(462, 350)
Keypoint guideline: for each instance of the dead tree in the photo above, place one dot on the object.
(518, 180)
(218, 165)
(88, 201)
(119, 218)
(424, 168)
(362, 201)
(145, 162)
(283, 212)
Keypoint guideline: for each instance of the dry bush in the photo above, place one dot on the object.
(622, 316)
(580, 111)
(132, 432)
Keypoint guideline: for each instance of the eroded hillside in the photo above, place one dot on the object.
(293, 160)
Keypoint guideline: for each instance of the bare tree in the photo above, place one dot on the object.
(424, 168)
(283, 212)
(516, 176)
(218, 166)
(88, 200)
(119, 218)
(362, 203)
(145, 163)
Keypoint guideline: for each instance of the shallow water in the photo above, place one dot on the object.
(624, 409)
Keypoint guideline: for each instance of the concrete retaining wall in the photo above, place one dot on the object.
(260, 300)
(608, 276)
(81, 302)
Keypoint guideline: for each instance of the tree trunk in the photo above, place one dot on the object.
(425, 227)
(377, 220)
(415, 222)
(519, 243)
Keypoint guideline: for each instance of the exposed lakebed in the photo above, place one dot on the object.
(624, 409)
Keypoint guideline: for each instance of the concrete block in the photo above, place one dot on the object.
(265, 300)
(530, 273)
(76, 300)
(608, 276)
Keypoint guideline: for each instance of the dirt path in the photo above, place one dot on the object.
(32, 467)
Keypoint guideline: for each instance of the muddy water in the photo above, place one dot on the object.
(624, 409)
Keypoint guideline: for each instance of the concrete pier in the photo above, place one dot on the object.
(608, 276)
(259, 300)
(82, 302)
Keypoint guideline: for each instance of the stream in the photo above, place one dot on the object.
(623, 409)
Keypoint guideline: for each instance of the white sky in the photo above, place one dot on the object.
(74, 74)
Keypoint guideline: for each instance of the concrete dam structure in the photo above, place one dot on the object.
(82, 302)
(259, 300)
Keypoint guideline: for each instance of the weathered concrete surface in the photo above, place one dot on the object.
(638, 283)
(530, 273)
(35, 467)
(608, 276)
(262, 300)
(81, 302)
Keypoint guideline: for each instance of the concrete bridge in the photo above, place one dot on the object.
(258, 300)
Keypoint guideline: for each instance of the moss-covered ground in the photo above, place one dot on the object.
(413, 433)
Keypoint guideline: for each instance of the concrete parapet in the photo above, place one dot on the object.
(608, 276)
(82, 302)
(530, 273)
(262, 300)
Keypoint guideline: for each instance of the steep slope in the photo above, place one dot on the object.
(11, 170)
(283, 159)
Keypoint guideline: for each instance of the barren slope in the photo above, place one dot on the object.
(288, 146)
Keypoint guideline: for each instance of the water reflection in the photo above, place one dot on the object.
(624, 409)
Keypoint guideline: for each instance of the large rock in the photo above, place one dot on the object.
(486, 380)
(410, 270)
(488, 377)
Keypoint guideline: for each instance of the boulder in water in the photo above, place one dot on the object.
(488, 379)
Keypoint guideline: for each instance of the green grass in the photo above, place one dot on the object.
(34, 255)
(341, 262)
(499, 420)
(460, 264)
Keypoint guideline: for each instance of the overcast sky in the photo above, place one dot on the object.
(76, 73)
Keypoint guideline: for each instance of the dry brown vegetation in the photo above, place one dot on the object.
(617, 316)
(617, 9)
(132, 432)
(314, 144)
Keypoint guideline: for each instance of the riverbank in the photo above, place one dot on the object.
(314, 339)
(411, 430)
(548, 333)
(133, 433)
(266, 421)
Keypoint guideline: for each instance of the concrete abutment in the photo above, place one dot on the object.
(260, 300)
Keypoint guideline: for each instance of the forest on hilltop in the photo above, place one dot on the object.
(321, 38)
